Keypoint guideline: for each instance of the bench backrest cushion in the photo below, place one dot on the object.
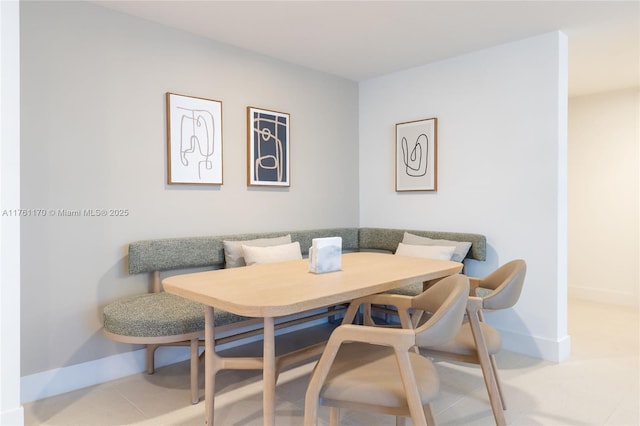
(175, 253)
(191, 252)
(349, 237)
(388, 239)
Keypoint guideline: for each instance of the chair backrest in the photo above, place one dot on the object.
(447, 301)
(506, 283)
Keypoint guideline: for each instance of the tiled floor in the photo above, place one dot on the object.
(598, 385)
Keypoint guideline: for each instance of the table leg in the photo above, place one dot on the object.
(209, 368)
(269, 373)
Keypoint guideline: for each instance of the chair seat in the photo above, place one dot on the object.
(159, 314)
(464, 344)
(375, 379)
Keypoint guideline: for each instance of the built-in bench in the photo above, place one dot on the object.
(162, 319)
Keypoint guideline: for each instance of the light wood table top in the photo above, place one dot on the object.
(278, 289)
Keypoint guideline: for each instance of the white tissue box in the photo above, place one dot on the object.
(325, 255)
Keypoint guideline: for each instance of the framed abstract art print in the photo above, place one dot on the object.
(416, 155)
(194, 140)
(268, 143)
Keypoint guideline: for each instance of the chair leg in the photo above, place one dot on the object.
(487, 369)
(494, 367)
(428, 414)
(195, 359)
(492, 390)
(415, 406)
(334, 416)
(400, 420)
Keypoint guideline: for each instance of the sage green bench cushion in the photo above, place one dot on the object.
(408, 290)
(388, 239)
(181, 253)
(159, 314)
(174, 253)
(305, 238)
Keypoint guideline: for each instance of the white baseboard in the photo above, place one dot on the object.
(66, 379)
(537, 347)
(12, 417)
(603, 296)
(60, 380)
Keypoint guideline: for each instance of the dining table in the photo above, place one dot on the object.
(273, 290)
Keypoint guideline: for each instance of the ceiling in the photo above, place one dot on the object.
(359, 40)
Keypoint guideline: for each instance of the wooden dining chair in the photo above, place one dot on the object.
(378, 369)
(477, 342)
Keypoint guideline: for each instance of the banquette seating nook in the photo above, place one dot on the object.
(157, 318)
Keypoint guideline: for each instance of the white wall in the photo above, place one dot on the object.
(11, 412)
(501, 152)
(93, 136)
(604, 150)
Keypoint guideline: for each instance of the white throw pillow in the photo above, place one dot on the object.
(234, 256)
(272, 254)
(459, 253)
(428, 252)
